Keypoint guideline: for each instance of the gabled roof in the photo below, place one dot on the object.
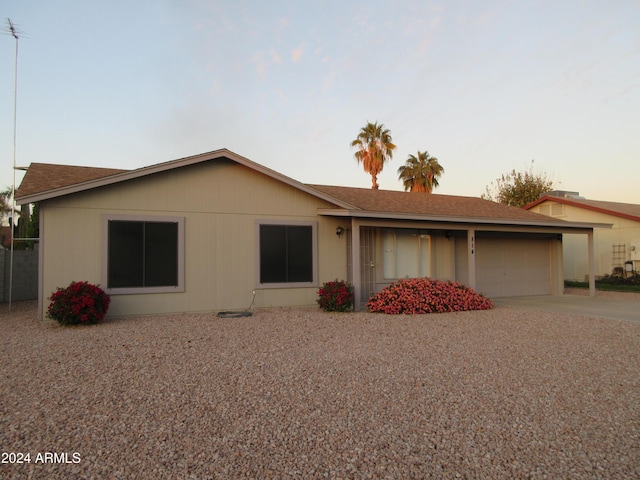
(45, 181)
(625, 210)
(43, 177)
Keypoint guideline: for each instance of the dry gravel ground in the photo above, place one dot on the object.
(297, 393)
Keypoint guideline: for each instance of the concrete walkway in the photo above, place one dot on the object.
(626, 308)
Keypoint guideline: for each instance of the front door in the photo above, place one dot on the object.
(367, 263)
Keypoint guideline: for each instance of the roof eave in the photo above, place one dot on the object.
(170, 165)
(593, 208)
(563, 225)
(69, 189)
(537, 202)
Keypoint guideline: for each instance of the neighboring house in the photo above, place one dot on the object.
(211, 232)
(617, 250)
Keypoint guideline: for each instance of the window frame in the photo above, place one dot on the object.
(424, 250)
(180, 287)
(314, 254)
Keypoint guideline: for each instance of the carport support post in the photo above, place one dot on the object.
(355, 262)
(471, 255)
(592, 264)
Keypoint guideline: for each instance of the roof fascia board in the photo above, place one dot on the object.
(564, 225)
(463, 227)
(284, 179)
(536, 202)
(170, 165)
(75, 188)
(568, 201)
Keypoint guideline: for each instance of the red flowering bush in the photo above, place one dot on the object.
(80, 302)
(425, 295)
(336, 296)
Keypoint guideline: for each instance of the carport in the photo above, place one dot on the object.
(495, 249)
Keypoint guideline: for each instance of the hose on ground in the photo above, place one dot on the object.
(239, 313)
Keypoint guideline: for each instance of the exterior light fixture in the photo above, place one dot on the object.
(339, 231)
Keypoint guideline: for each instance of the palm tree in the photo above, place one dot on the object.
(375, 147)
(421, 173)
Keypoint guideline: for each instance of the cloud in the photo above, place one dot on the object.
(296, 55)
(284, 23)
(275, 56)
(485, 18)
(261, 67)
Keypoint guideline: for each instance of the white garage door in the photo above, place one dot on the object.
(513, 266)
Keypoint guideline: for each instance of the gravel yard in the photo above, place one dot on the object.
(298, 393)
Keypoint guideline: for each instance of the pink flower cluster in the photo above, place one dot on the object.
(80, 302)
(426, 295)
(336, 296)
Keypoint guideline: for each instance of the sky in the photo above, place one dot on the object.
(486, 87)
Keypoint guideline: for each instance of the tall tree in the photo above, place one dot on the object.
(421, 173)
(518, 188)
(5, 203)
(375, 147)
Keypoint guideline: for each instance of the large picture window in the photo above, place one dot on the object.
(286, 253)
(144, 254)
(406, 253)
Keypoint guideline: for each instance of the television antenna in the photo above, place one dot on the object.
(12, 30)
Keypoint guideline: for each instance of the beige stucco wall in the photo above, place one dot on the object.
(624, 231)
(221, 203)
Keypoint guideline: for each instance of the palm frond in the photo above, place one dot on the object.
(375, 148)
(420, 173)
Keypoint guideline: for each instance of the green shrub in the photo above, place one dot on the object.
(425, 295)
(79, 303)
(336, 296)
(633, 279)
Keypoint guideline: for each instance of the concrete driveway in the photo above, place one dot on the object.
(624, 307)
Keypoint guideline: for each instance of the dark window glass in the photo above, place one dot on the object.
(299, 254)
(160, 254)
(126, 247)
(273, 253)
(142, 254)
(286, 253)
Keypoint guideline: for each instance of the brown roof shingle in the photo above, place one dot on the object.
(392, 201)
(42, 177)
